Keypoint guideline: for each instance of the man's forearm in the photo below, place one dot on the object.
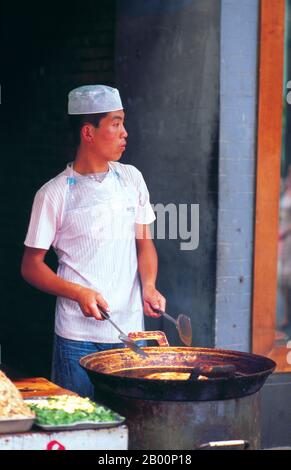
(41, 276)
(147, 264)
(148, 269)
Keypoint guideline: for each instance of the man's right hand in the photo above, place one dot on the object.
(88, 300)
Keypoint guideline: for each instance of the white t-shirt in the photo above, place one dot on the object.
(90, 225)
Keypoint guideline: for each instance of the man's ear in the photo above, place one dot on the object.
(87, 133)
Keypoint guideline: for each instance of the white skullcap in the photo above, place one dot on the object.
(91, 99)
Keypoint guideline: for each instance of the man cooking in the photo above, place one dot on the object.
(96, 216)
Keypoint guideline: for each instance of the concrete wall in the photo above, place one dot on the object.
(237, 158)
(167, 69)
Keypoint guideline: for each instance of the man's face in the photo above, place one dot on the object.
(109, 138)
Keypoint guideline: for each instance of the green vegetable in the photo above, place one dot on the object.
(54, 411)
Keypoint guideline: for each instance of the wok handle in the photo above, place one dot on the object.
(227, 370)
(159, 336)
(238, 444)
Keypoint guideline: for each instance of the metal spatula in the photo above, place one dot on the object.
(183, 325)
(122, 336)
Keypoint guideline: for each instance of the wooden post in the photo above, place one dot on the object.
(270, 107)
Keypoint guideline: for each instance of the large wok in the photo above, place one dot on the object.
(201, 373)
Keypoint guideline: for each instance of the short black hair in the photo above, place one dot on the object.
(77, 121)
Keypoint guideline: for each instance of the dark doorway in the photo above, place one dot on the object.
(46, 50)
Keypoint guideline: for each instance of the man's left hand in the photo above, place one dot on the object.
(152, 298)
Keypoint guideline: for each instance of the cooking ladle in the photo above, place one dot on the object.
(183, 325)
(122, 336)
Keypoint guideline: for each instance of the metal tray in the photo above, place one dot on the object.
(80, 425)
(77, 425)
(12, 425)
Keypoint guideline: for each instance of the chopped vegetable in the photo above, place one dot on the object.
(69, 409)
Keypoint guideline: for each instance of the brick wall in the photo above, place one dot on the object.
(46, 50)
(238, 101)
